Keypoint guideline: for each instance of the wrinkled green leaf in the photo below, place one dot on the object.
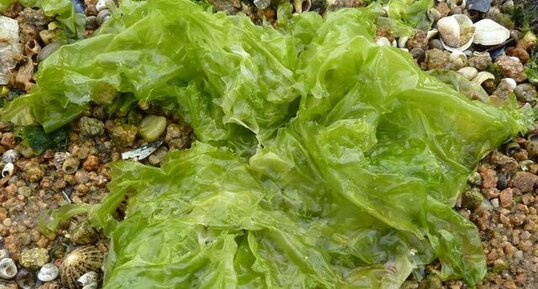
(404, 17)
(322, 160)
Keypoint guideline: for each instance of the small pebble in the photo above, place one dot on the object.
(10, 156)
(526, 92)
(48, 272)
(34, 258)
(511, 68)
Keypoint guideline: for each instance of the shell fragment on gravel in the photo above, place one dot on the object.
(141, 152)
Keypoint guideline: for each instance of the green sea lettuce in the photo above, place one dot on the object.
(322, 160)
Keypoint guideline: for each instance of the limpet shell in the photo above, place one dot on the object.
(78, 262)
(489, 33)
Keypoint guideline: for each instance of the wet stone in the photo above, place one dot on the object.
(34, 258)
(524, 181)
(506, 197)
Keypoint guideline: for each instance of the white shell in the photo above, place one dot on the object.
(468, 72)
(510, 83)
(489, 32)
(8, 170)
(457, 32)
(48, 272)
(402, 41)
(432, 33)
(483, 76)
(382, 41)
(100, 5)
(10, 156)
(8, 269)
(88, 280)
(458, 58)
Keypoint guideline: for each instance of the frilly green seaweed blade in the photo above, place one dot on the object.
(322, 159)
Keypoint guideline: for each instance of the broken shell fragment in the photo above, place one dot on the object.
(457, 32)
(482, 76)
(468, 72)
(89, 280)
(489, 33)
(70, 165)
(302, 5)
(458, 58)
(8, 170)
(142, 152)
(382, 41)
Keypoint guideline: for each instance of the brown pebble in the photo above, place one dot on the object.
(8, 140)
(511, 68)
(91, 163)
(418, 41)
(11, 243)
(518, 52)
(489, 178)
(524, 181)
(50, 285)
(506, 197)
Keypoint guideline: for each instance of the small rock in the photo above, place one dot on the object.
(471, 199)
(91, 163)
(178, 136)
(123, 135)
(489, 178)
(479, 5)
(495, 202)
(437, 59)
(34, 258)
(511, 68)
(418, 54)
(480, 62)
(436, 44)
(7, 285)
(91, 126)
(524, 181)
(418, 40)
(506, 197)
(518, 52)
(152, 127)
(526, 92)
(48, 272)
